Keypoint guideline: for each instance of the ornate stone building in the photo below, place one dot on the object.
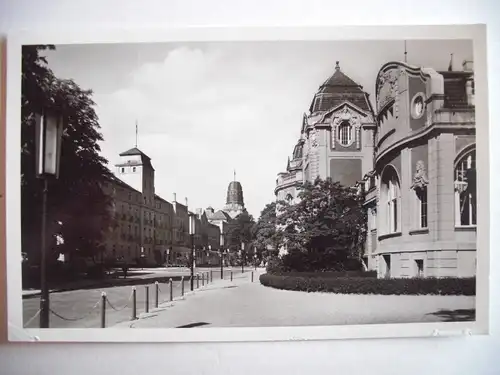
(414, 156)
(336, 138)
(422, 192)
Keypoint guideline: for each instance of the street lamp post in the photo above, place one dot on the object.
(192, 223)
(49, 129)
(242, 257)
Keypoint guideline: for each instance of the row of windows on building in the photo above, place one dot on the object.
(465, 198)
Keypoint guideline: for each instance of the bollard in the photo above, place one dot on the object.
(171, 290)
(197, 280)
(203, 279)
(252, 276)
(103, 310)
(182, 286)
(146, 302)
(134, 304)
(156, 293)
(231, 275)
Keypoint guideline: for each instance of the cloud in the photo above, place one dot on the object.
(203, 113)
(205, 109)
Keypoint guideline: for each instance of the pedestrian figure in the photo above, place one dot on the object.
(125, 270)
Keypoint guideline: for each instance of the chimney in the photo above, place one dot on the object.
(186, 201)
(468, 66)
(175, 197)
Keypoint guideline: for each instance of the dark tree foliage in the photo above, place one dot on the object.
(240, 231)
(78, 208)
(325, 230)
(266, 237)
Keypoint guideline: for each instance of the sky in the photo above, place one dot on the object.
(205, 110)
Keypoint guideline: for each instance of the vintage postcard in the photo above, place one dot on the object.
(248, 184)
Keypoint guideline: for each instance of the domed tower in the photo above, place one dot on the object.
(234, 200)
(339, 131)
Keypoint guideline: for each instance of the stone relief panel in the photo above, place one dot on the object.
(387, 87)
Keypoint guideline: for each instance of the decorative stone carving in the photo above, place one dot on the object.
(420, 180)
(313, 138)
(387, 87)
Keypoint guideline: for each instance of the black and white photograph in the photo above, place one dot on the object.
(248, 184)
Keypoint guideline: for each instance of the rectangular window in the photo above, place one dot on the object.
(423, 209)
(420, 267)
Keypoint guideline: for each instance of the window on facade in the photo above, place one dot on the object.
(391, 197)
(133, 169)
(465, 190)
(420, 267)
(345, 134)
(373, 217)
(421, 195)
(123, 170)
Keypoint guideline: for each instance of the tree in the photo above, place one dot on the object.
(78, 208)
(326, 229)
(265, 233)
(239, 230)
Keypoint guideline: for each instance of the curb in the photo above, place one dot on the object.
(112, 283)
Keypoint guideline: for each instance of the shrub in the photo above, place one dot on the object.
(370, 285)
(327, 274)
(274, 265)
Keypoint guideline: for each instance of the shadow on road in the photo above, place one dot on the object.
(460, 315)
(193, 325)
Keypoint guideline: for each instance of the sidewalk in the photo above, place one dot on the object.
(246, 304)
(134, 277)
(190, 297)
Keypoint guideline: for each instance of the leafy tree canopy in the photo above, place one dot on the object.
(78, 209)
(265, 233)
(326, 227)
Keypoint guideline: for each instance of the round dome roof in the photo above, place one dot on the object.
(234, 193)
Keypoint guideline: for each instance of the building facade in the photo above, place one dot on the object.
(336, 138)
(414, 157)
(147, 229)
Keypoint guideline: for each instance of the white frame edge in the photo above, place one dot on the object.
(13, 216)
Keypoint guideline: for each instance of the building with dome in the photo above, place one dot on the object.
(414, 157)
(335, 137)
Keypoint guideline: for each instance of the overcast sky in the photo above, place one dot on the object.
(205, 109)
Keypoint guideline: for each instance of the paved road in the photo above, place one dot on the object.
(79, 309)
(246, 304)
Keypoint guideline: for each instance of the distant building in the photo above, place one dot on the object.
(226, 217)
(147, 228)
(414, 156)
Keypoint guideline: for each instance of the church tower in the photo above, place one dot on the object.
(234, 201)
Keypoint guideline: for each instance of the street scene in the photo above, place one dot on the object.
(198, 185)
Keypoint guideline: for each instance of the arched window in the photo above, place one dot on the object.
(345, 134)
(391, 198)
(465, 190)
(289, 198)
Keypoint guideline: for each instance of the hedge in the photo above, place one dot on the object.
(328, 274)
(369, 285)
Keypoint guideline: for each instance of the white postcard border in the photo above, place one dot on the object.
(13, 214)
